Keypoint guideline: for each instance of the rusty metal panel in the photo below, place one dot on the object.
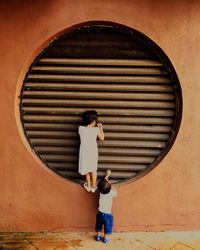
(114, 73)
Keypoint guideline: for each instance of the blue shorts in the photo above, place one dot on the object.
(106, 220)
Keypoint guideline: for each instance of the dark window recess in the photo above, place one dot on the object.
(121, 74)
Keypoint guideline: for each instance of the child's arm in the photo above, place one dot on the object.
(101, 133)
(114, 191)
(108, 173)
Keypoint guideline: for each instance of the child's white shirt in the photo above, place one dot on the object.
(106, 200)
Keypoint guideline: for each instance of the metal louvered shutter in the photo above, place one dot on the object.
(118, 74)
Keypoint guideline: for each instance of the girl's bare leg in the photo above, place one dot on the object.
(94, 179)
(87, 177)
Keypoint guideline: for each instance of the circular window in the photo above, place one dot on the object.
(121, 74)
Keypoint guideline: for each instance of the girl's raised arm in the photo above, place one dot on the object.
(101, 133)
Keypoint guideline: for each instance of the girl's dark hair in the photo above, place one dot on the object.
(88, 117)
(104, 186)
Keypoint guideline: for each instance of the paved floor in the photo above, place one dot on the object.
(85, 241)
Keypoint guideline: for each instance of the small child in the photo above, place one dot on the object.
(104, 215)
(89, 130)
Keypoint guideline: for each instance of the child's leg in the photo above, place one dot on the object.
(108, 227)
(98, 227)
(94, 179)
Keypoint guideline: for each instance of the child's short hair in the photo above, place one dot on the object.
(88, 117)
(104, 186)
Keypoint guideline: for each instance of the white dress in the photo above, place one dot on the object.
(88, 152)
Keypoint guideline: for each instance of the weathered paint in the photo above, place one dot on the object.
(35, 199)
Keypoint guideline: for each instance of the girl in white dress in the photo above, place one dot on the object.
(89, 130)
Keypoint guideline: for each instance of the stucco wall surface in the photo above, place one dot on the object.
(32, 197)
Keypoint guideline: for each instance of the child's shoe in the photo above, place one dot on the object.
(98, 238)
(105, 240)
(86, 187)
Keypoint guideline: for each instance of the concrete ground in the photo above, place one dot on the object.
(85, 241)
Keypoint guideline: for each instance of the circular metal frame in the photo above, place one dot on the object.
(152, 46)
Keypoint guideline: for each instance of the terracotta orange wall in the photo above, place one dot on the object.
(35, 199)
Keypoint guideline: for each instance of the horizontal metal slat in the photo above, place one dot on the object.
(102, 159)
(95, 78)
(110, 143)
(126, 159)
(99, 95)
(102, 150)
(114, 128)
(108, 120)
(81, 180)
(97, 103)
(109, 135)
(119, 175)
(50, 126)
(135, 143)
(97, 45)
(137, 136)
(99, 87)
(114, 111)
(96, 61)
(52, 134)
(133, 167)
(100, 51)
(114, 167)
(100, 70)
